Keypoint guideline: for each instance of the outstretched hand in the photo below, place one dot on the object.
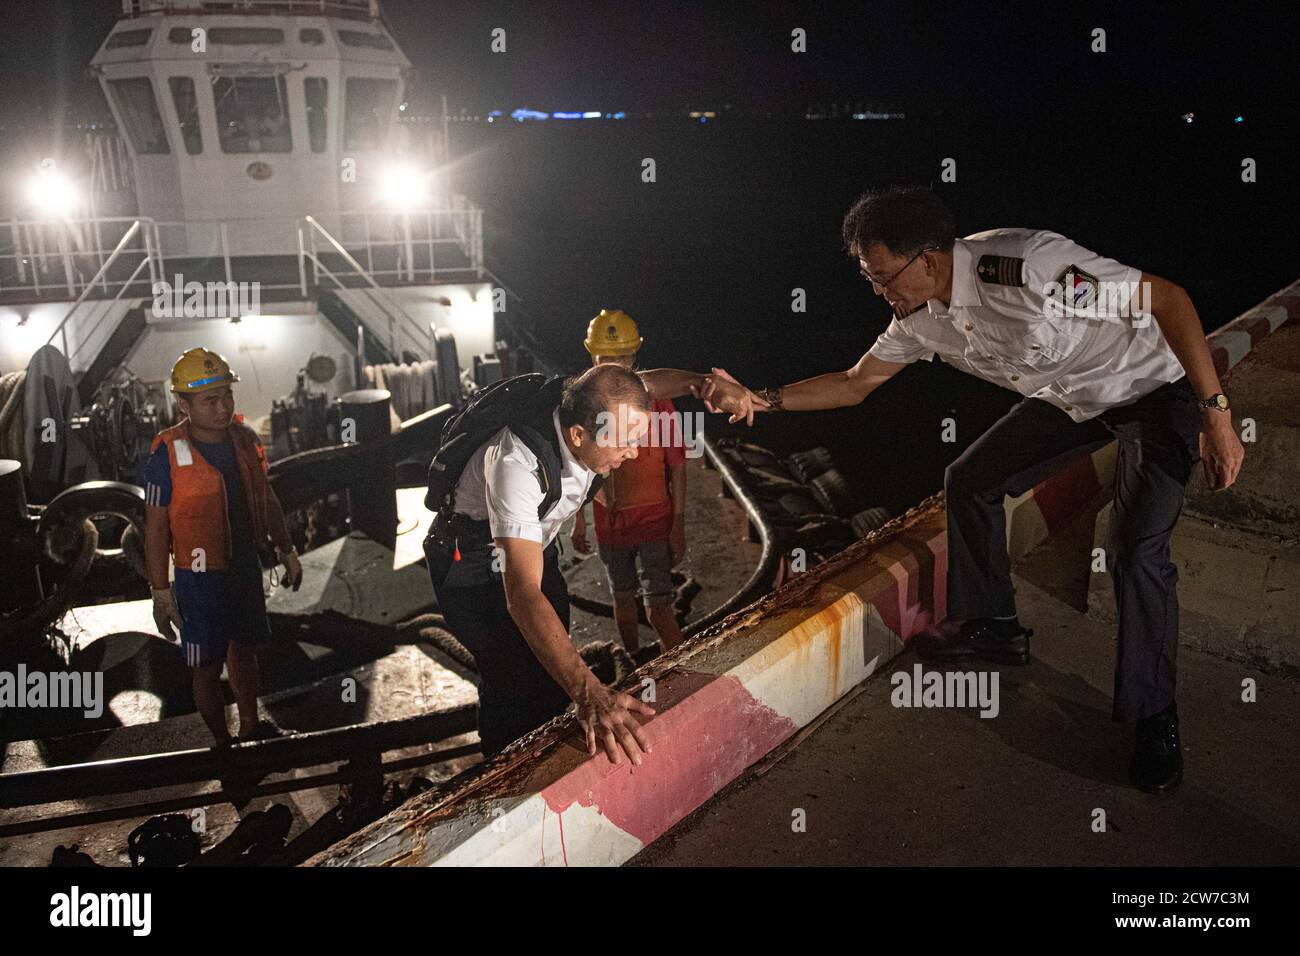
(722, 393)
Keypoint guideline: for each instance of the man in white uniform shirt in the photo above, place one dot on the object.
(492, 547)
(1100, 351)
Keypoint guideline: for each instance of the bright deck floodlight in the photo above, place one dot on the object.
(50, 192)
(404, 187)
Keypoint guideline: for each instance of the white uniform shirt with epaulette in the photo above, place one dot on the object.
(499, 485)
(1034, 312)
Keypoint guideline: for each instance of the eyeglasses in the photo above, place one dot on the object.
(886, 283)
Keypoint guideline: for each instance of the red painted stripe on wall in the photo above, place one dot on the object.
(701, 744)
(920, 597)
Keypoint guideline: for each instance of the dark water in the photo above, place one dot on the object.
(746, 210)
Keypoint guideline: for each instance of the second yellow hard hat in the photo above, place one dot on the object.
(612, 333)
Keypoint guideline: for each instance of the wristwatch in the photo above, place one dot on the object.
(774, 397)
(1217, 401)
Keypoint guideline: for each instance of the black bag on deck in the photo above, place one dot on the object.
(525, 404)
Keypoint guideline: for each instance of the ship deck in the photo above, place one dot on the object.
(366, 585)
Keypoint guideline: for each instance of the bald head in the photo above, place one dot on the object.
(602, 388)
(604, 415)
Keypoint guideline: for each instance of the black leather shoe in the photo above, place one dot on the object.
(975, 642)
(1158, 757)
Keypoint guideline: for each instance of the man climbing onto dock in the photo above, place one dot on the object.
(524, 456)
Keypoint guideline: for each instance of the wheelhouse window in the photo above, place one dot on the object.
(245, 35)
(252, 114)
(369, 110)
(138, 108)
(372, 41)
(311, 36)
(316, 92)
(235, 36)
(128, 38)
(187, 111)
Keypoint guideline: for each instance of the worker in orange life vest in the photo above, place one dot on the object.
(640, 512)
(210, 505)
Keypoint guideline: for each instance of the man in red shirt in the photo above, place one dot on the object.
(640, 512)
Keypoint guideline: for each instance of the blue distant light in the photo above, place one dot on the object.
(494, 113)
(522, 115)
(591, 114)
(1240, 119)
(618, 115)
(566, 116)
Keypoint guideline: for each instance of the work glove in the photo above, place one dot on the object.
(166, 613)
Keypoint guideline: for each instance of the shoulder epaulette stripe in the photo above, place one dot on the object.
(1001, 270)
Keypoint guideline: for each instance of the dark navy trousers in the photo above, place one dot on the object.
(1159, 443)
(515, 694)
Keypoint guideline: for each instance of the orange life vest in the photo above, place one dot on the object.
(198, 510)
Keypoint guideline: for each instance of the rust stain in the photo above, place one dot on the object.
(835, 634)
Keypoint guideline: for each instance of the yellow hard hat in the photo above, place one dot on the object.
(612, 333)
(198, 370)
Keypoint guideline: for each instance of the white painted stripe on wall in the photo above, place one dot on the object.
(1236, 344)
(792, 674)
(1275, 314)
(532, 834)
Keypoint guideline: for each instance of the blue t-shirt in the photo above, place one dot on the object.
(221, 456)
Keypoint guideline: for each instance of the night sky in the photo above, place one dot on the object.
(935, 59)
(1049, 135)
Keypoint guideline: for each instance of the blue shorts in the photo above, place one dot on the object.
(218, 607)
(656, 571)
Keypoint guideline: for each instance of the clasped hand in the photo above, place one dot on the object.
(720, 392)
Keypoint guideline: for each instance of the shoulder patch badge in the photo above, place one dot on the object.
(1074, 288)
(1001, 270)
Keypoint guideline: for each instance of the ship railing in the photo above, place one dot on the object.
(343, 8)
(52, 258)
(143, 227)
(357, 750)
(42, 259)
(403, 246)
(401, 327)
